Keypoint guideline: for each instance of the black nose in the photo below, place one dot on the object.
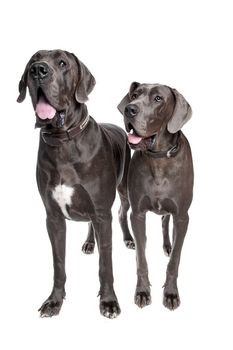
(39, 70)
(131, 110)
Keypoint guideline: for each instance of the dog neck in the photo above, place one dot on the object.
(165, 145)
(75, 115)
(76, 122)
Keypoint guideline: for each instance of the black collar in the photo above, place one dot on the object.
(171, 152)
(57, 139)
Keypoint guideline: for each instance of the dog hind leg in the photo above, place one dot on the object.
(89, 244)
(166, 240)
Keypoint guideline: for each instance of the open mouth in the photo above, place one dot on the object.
(46, 113)
(44, 110)
(133, 138)
(136, 141)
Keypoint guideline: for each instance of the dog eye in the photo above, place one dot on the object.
(62, 63)
(134, 96)
(158, 98)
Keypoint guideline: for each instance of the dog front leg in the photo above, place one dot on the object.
(142, 294)
(171, 298)
(109, 306)
(56, 227)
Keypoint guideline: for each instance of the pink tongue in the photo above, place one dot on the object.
(134, 139)
(44, 110)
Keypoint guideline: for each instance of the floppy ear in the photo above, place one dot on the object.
(181, 114)
(126, 100)
(23, 85)
(86, 82)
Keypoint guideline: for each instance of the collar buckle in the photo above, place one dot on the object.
(68, 133)
(171, 151)
(44, 135)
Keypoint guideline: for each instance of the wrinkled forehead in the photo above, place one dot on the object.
(48, 55)
(153, 89)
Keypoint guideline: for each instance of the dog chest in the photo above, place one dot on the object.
(62, 194)
(73, 200)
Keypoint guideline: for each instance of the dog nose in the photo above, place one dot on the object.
(131, 110)
(39, 70)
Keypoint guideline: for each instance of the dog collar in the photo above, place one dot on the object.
(171, 152)
(57, 139)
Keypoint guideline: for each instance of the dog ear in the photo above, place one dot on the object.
(126, 100)
(23, 85)
(181, 114)
(86, 82)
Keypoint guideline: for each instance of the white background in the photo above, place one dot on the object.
(184, 44)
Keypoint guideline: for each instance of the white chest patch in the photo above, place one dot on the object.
(62, 195)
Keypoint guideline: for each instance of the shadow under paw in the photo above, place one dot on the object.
(88, 247)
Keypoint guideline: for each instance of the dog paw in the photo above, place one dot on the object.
(167, 248)
(110, 309)
(50, 308)
(88, 248)
(171, 300)
(142, 299)
(130, 244)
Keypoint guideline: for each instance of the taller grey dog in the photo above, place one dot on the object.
(160, 176)
(80, 165)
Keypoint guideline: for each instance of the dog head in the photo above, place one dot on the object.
(150, 108)
(57, 81)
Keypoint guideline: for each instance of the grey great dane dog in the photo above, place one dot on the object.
(160, 176)
(80, 165)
